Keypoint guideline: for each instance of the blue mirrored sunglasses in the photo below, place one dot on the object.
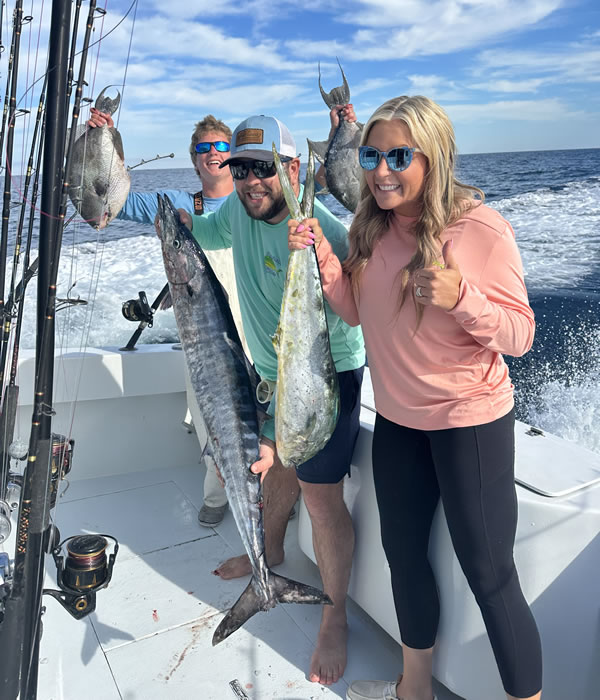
(398, 158)
(204, 146)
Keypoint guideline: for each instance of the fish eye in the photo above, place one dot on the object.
(176, 243)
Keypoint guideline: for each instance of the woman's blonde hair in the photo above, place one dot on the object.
(445, 199)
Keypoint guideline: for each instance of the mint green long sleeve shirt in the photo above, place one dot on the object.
(260, 255)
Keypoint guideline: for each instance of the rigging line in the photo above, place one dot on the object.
(30, 32)
(100, 40)
(128, 57)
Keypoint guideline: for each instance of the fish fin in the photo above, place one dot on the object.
(225, 292)
(338, 95)
(247, 604)
(207, 452)
(285, 590)
(322, 192)
(117, 142)
(319, 149)
(308, 196)
(276, 339)
(106, 104)
(289, 591)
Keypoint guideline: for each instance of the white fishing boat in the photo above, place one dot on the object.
(136, 475)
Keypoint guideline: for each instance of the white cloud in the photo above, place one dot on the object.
(552, 109)
(573, 63)
(255, 97)
(423, 28)
(200, 41)
(529, 85)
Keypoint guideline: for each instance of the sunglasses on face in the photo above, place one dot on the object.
(261, 168)
(204, 146)
(398, 158)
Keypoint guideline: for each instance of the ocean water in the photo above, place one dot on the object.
(552, 199)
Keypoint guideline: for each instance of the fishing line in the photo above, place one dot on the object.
(88, 313)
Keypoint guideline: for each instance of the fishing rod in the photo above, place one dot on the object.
(143, 162)
(7, 92)
(23, 606)
(17, 24)
(140, 310)
(16, 298)
(20, 630)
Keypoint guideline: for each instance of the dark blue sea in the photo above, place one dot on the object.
(551, 198)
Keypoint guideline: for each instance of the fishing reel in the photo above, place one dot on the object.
(86, 570)
(61, 459)
(138, 310)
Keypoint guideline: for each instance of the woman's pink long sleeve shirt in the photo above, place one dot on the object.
(451, 372)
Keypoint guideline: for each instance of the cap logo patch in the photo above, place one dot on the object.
(249, 136)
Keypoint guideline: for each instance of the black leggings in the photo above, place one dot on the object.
(472, 469)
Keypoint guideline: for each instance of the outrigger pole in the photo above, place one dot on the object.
(20, 629)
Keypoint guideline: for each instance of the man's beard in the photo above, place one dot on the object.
(276, 208)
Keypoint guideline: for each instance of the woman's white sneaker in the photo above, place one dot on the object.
(373, 690)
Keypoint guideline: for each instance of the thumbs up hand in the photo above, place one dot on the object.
(439, 285)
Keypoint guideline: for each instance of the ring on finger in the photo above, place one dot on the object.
(418, 292)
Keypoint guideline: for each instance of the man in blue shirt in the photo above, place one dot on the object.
(209, 147)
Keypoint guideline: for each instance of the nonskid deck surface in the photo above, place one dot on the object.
(150, 637)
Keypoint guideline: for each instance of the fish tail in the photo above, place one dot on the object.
(290, 591)
(282, 590)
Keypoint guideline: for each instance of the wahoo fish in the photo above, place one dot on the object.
(224, 382)
(307, 393)
(98, 179)
(340, 154)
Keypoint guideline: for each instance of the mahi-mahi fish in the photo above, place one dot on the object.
(224, 382)
(98, 178)
(307, 394)
(340, 153)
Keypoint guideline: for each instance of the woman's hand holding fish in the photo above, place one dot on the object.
(439, 285)
(266, 459)
(99, 118)
(301, 235)
(345, 112)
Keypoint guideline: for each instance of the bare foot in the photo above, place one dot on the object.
(240, 566)
(234, 567)
(329, 658)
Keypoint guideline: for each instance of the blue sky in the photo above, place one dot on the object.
(512, 74)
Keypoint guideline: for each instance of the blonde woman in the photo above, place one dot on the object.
(435, 278)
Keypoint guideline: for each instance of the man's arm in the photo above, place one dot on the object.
(212, 229)
(142, 207)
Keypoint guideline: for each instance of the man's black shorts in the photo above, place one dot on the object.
(332, 463)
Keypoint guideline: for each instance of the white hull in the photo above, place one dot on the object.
(136, 476)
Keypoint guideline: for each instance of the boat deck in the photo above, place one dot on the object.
(150, 636)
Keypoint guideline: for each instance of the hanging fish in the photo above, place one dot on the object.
(307, 396)
(98, 178)
(224, 382)
(340, 153)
